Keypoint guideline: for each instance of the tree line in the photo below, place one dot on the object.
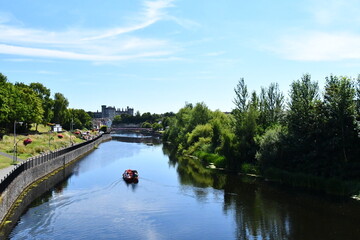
(33, 104)
(308, 138)
(146, 120)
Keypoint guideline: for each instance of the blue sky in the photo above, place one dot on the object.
(156, 55)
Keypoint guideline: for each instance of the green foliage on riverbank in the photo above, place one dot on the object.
(33, 105)
(145, 120)
(197, 131)
(312, 139)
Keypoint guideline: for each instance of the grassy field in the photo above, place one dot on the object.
(42, 142)
(5, 162)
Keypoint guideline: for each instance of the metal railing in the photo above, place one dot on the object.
(40, 159)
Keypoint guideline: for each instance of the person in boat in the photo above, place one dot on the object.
(135, 174)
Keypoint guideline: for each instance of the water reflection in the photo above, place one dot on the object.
(265, 211)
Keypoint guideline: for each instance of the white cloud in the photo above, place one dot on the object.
(329, 12)
(115, 44)
(319, 46)
(37, 52)
(153, 12)
(215, 54)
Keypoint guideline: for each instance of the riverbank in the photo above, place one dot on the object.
(42, 141)
(331, 186)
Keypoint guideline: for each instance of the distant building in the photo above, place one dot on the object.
(57, 128)
(98, 122)
(111, 112)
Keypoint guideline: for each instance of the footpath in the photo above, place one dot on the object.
(7, 170)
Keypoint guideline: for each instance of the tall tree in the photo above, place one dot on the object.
(78, 119)
(60, 109)
(271, 105)
(246, 116)
(341, 116)
(302, 121)
(47, 103)
(5, 96)
(241, 96)
(26, 105)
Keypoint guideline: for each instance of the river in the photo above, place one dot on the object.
(176, 199)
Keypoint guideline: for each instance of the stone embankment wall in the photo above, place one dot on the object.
(28, 172)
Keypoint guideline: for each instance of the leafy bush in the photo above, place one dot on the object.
(270, 145)
(217, 160)
(103, 128)
(146, 125)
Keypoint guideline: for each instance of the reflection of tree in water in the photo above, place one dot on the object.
(257, 214)
(171, 153)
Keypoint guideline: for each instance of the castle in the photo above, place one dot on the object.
(111, 112)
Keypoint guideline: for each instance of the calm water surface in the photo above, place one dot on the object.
(177, 200)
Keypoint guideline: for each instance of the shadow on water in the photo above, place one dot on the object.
(268, 211)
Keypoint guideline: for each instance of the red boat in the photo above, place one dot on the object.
(131, 176)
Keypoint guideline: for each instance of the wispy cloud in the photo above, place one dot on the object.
(115, 44)
(37, 52)
(319, 46)
(329, 12)
(153, 12)
(215, 54)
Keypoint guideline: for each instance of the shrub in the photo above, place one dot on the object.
(146, 125)
(27, 141)
(103, 128)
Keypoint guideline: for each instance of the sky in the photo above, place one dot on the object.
(157, 55)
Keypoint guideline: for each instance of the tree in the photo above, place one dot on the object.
(117, 119)
(5, 97)
(341, 114)
(271, 105)
(47, 103)
(200, 114)
(241, 96)
(270, 148)
(302, 122)
(303, 97)
(79, 118)
(26, 106)
(60, 109)
(246, 116)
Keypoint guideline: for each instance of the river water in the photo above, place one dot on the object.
(176, 199)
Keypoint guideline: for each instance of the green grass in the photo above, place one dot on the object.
(41, 143)
(41, 128)
(5, 162)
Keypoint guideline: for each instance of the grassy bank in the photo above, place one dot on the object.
(5, 162)
(42, 141)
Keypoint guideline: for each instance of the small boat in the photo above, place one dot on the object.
(131, 176)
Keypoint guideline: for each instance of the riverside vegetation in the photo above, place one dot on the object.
(310, 141)
(35, 109)
(42, 141)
